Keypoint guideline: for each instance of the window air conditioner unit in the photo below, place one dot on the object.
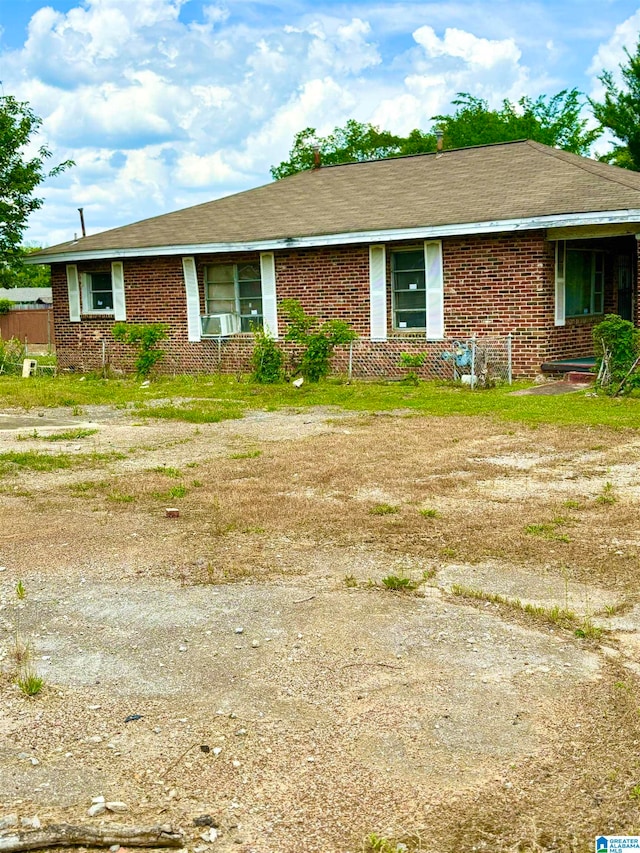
(220, 325)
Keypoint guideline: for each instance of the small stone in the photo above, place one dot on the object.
(93, 707)
(34, 761)
(182, 648)
(8, 821)
(204, 820)
(3, 568)
(95, 800)
(241, 732)
(114, 848)
(95, 739)
(96, 809)
(31, 822)
(210, 835)
(217, 750)
(157, 730)
(117, 807)
(255, 644)
(235, 763)
(239, 631)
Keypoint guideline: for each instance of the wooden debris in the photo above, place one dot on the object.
(107, 835)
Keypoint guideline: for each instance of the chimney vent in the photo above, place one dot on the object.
(439, 135)
(316, 157)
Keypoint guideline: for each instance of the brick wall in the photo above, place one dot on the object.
(493, 285)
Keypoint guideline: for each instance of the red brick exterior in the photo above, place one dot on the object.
(493, 285)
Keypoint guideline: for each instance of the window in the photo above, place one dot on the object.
(97, 292)
(235, 289)
(409, 290)
(582, 271)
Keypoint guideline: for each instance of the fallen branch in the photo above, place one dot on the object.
(66, 835)
(367, 663)
(302, 600)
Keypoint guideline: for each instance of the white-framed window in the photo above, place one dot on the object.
(581, 270)
(97, 293)
(409, 289)
(235, 289)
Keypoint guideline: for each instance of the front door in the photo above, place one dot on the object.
(625, 286)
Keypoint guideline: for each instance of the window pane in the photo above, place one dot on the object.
(221, 306)
(578, 283)
(221, 291)
(409, 281)
(411, 320)
(247, 289)
(410, 299)
(220, 273)
(247, 323)
(249, 272)
(408, 260)
(101, 292)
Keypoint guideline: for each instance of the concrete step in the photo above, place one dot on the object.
(580, 377)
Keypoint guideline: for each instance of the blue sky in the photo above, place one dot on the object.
(167, 103)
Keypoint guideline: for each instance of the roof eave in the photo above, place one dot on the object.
(563, 220)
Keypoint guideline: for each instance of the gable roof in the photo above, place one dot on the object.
(503, 187)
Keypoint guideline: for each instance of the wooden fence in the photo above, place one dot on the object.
(31, 326)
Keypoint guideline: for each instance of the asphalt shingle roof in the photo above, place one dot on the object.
(515, 180)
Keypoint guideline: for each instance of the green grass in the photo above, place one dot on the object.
(383, 509)
(30, 683)
(69, 435)
(248, 454)
(35, 460)
(429, 513)
(209, 399)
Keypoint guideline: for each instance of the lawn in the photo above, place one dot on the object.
(213, 398)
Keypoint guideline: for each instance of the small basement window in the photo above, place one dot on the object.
(235, 289)
(409, 289)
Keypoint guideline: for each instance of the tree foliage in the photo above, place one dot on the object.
(620, 112)
(554, 120)
(20, 174)
(23, 275)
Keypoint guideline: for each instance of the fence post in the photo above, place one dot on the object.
(473, 361)
(350, 369)
(509, 361)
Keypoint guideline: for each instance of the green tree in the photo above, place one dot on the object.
(351, 143)
(553, 120)
(21, 275)
(20, 174)
(620, 112)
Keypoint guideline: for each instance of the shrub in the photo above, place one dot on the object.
(146, 336)
(411, 361)
(5, 306)
(266, 359)
(616, 346)
(318, 340)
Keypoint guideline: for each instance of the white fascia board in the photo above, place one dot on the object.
(562, 220)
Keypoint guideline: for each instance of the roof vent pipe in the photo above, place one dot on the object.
(316, 157)
(81, 212)
(439, 135)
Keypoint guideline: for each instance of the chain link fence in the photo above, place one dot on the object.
(477, 362)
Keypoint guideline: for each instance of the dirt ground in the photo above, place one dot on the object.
(279, 686)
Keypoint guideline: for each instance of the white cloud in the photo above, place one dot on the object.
(611, 54)
(477, 52)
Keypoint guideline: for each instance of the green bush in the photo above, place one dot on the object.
(616, 346)
(145, 336)
(266, 359)
(318, 340)
(5, 306)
